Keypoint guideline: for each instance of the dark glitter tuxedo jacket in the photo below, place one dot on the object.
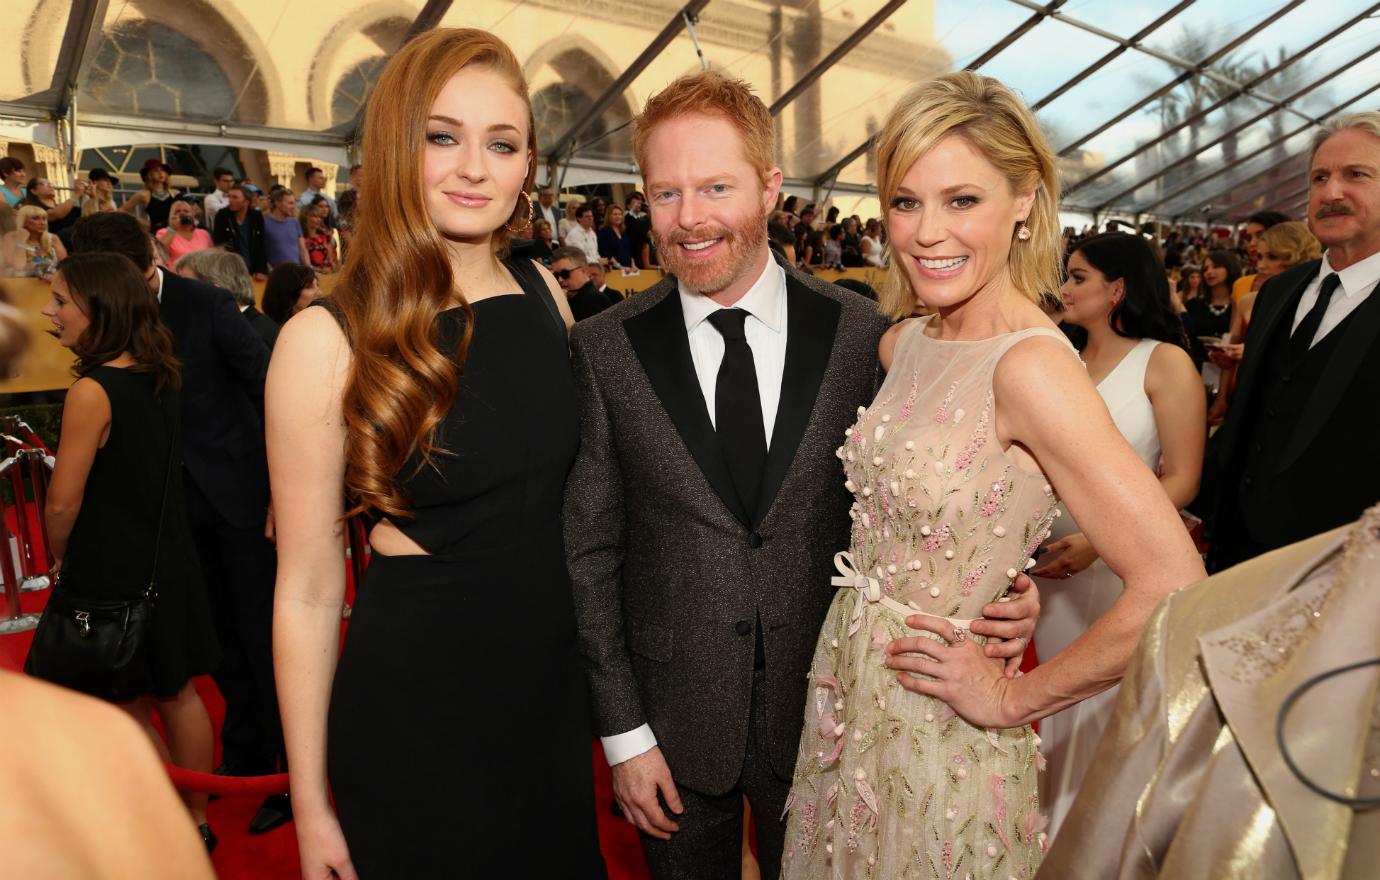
(670, 572)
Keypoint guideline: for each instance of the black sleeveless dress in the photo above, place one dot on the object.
(110, 549)
(158, 209)
(459, 739)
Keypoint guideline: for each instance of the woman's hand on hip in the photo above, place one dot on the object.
(959, 673)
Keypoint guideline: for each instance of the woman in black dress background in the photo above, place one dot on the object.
(106, 494)
(435, 388)
(1210, 314)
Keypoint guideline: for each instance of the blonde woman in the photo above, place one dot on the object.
(182, 236)
(1281, 247)
(986, 421)
(568, 222)
(31, 249)
(101, 194)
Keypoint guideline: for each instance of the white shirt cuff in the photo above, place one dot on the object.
(626, 746)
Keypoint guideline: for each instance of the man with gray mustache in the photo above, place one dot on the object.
(1293, 458)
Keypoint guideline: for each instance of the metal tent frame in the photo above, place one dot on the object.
(55, 114)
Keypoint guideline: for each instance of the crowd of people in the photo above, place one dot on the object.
(611, 515)
(266, 228)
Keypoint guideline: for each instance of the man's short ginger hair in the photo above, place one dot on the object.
(708, 93)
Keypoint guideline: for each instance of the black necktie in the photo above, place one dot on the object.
(1302, 339)
(738, 409)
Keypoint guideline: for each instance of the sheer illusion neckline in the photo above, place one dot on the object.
(926, 320)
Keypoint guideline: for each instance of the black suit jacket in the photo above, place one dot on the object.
(551, 215)
(1328, 474)
(223, 234)
(263, 325)
(587, 302)
(667, 599)
(224, 363)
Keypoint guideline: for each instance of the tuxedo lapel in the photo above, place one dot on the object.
(1360, 331)
(659, 339)
(172, 308)
(1265, 318)
(811, 323)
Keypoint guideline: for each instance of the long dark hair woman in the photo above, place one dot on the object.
(1210, 315)
(119, 444)
(435, 389)
(290, 288)
(1118, 314)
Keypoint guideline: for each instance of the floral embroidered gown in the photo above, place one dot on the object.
(890, 784)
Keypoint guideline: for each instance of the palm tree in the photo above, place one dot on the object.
(1197, 91)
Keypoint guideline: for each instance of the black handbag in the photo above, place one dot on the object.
(100, 646)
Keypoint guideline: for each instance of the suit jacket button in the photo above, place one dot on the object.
(743, 627)
(1286, 378)
(1248, 482)
(754, 540)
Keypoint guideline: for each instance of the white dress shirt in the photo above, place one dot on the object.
(586, 240)
(1358, 282)
(551, 215)
(765, 329)
(213, 202)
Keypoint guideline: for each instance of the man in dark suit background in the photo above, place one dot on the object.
(240, 228)
(225, 270)
(547, 209)
(706, 503)
(1294, 457)
(598, 276)
(571, 269)
(224, 364)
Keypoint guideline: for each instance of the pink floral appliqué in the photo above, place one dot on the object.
(1033, 824)
(992, 504)
(978, 440)
(809, 825)
(941, 415)
(909, 405)
(998, 785)
(937, 539)
(974, 576)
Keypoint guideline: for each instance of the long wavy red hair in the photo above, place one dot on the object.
(398, 279)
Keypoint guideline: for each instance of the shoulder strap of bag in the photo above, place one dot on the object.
(151, 592)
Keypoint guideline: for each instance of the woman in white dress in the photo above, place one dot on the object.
(873, 251)
(1116, 299)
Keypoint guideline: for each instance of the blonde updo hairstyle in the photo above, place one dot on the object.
(993, 121)
(1293, 241)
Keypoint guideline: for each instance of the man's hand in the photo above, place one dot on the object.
(636, 782)
(1009, 625)
(1067, 557)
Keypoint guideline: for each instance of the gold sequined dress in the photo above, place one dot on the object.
(889, 784)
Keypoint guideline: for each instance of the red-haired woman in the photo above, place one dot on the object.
(435, 388)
